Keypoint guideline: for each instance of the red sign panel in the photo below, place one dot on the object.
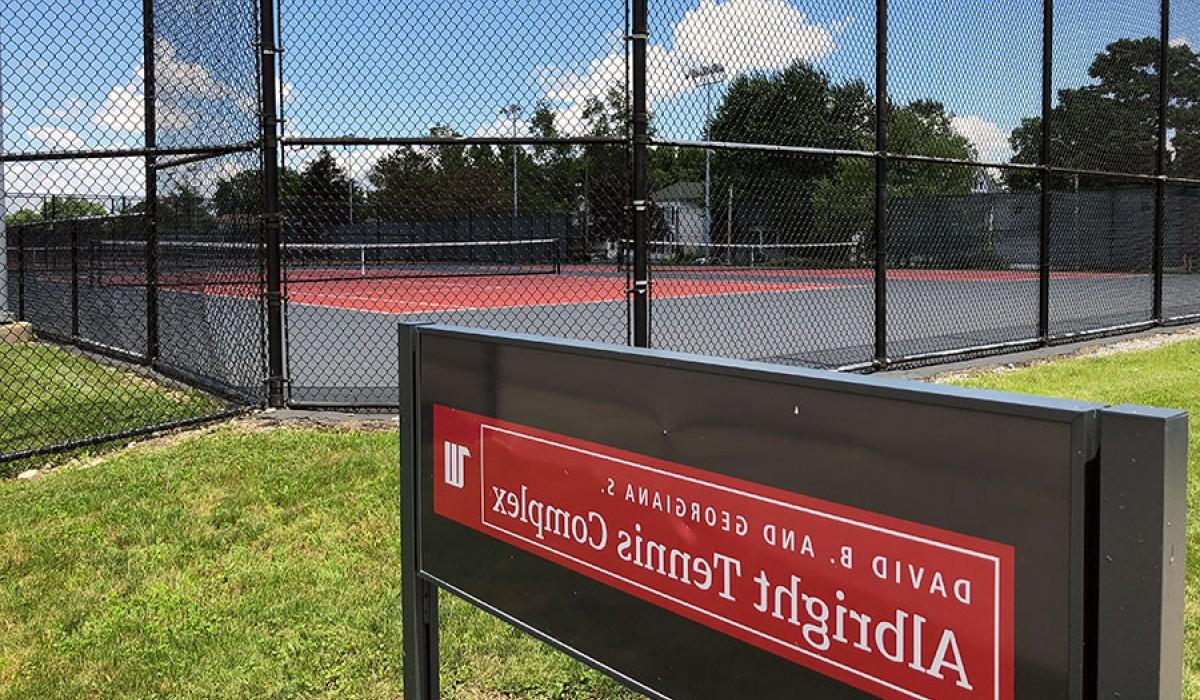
(895, 608)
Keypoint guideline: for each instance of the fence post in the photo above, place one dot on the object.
(881, 163)
(1160, 160)
(1044, 161)
(20, 258)
(270, 206)
(150, 126)
(73, 237)
(640, 191)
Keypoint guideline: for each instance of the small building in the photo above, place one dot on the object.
(682, 208)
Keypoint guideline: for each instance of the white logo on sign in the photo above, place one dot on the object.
(455, 455)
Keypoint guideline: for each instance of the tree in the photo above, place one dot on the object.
(399, 179)
(797, 106)
(844, 201)
(183, 209)
(23, 216)
(240, 196)
(327, 197)
(789, 197)
(70, 207)
(1112, 123)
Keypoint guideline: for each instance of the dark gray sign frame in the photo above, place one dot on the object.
(1122, 483)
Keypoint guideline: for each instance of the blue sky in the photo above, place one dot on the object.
(375, 69)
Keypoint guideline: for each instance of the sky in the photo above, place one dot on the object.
(72, 73)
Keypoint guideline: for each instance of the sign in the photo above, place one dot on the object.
(700, 528)
(892, 607)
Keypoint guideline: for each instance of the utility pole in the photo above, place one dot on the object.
(707, 76)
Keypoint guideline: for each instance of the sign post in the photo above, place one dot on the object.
(705, 528)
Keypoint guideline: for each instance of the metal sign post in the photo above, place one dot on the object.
(703, 528)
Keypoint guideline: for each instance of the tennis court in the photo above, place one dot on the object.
(776, 303)
(817, 316)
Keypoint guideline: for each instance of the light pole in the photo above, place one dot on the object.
(707, 76)
(513, 111)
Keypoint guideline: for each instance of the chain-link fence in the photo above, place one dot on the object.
(844, 183)
(132, 265)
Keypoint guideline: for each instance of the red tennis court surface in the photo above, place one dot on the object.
(416, 295)
(589, 285)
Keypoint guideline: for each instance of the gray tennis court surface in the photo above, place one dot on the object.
(348, 355)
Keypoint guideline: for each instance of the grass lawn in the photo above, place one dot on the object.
(1166, 376)
(248, 562)
(49, 395)
(237, 564)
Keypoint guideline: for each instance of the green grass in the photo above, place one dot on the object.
(49, 395)
(1167, 376)
(237, 564)
(265, 563)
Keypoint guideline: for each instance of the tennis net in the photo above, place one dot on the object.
(333, 261)
(122, 262)
(784, 255)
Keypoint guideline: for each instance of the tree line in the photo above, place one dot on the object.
(1109, 123)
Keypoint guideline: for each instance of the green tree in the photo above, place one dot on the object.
(788, 197)
(23, 216)
(327, 198)
(240, 196)
(844, 201)
(1111, 124)
(184, 209)
(590, 180)
(70, 206)
(400, 182)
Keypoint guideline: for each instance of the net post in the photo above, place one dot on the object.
(1044, 177)
(271, 227)
(880, 191)
(640, 190)
(1160, 160)
(150, 126)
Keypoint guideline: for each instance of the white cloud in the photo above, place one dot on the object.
(739, 35)
(1180, 41)
(53, 139)
(989, 140)
(746, 35)
(101, 176)
(358, 161)
(180, 82)
(503, 126)
(66, 109)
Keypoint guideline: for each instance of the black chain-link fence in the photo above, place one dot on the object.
(133, 267)
(845, 183)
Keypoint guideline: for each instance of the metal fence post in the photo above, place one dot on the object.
(1160, 160)
(270, 206)
(150, 125)
(640, 190)
(1044, 162)
(20, 259)
(881, 163)
(73, 237)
